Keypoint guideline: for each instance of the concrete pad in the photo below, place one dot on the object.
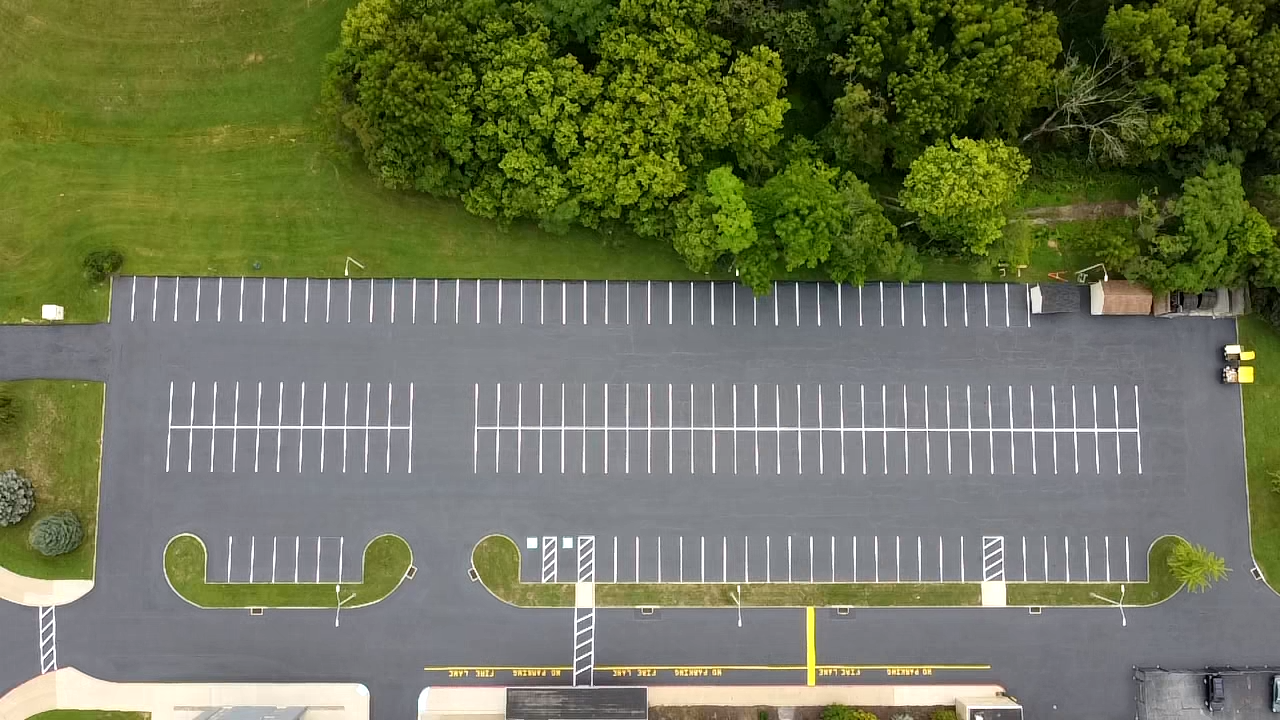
(993, 593)
(584, 595)
(34, 592)
(70, 689)
(798, 695)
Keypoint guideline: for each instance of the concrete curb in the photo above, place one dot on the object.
(35, 592)
(70, 689)
(375, 601)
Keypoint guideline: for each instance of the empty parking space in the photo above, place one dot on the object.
(542, 303)
(255, 426)
(800, 558)
(282, 559)
(806, 428)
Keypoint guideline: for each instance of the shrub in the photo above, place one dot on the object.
(56, 534)
(17, 498)
(946, 714)
(10, 413)
(1275, 481)
(1196, 566)
(903, 716)
(844, 712)
(100, 264)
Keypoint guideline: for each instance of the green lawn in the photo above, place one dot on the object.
(497, 560)
(1262, 444)
(90, 715)
(386, 560)
(189, 137)
(57, 445)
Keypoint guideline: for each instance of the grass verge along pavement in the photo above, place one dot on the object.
(496, 559)
(57, 444)
(386, 560)
(1262, 445)
(90, 715)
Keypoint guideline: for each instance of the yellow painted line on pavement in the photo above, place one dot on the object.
(811, 650)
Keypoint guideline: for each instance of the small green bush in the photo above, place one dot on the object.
(947, 714)
(101, 264)
(844, 712)
(56, 534)
(1275, 481)
(17, 498)
(10, 413)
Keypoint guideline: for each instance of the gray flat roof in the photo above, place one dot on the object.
(584, 703)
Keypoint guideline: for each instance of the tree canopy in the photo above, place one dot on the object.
(919, 71)
(960, 190)
(1210, 237)
(748, 134)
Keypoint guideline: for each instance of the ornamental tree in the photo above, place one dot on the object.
(960, 191)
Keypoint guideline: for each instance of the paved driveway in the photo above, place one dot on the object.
(935, 433)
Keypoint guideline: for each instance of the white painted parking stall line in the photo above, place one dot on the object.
(992, 558)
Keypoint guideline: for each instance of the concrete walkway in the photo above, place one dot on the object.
(480, 703)
(70, 689)
(34, 592)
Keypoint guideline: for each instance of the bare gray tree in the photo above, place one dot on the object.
(1094, 100)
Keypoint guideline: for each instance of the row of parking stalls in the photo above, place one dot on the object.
(804, 558)
(177, 300)
(233, 426)
(850, 428)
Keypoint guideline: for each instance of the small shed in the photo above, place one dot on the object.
(577, 703)
(1119, 297)
(1055, 298)
(999, 707)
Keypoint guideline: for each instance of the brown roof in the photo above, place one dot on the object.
(1121, 297)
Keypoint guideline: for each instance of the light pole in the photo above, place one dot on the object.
(337, 592)
(1124, 622)
(737, 600)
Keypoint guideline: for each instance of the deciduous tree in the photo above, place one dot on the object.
(960, 191)
(1211, 237)
(919, 71)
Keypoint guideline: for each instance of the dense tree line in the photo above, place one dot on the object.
(743, 132)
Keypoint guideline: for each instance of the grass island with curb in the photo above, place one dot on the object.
(387, 559)
(496, 559)
(57, 444)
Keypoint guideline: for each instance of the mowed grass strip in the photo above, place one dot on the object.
(1160, 585)
(497, 560)
(191, 139)
(57, 444)
(90, 715)
(386, 559)
(1262, 444)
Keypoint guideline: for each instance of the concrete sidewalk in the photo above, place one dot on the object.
(485, 703)
(70, 689)
(34, 592)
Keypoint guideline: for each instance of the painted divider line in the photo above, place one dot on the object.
(48, 647)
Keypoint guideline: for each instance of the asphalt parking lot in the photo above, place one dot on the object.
(894, 432)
